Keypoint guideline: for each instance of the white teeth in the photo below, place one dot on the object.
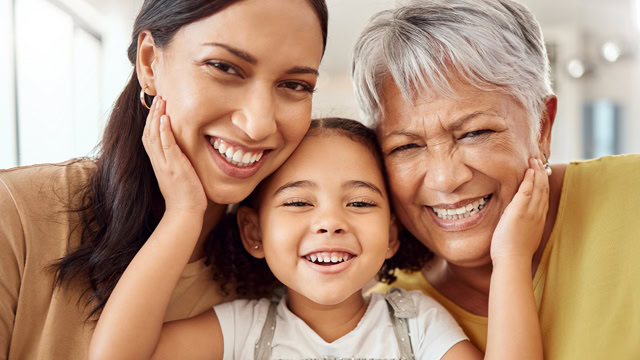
(236, 157)
(333, 257)
(462, 212)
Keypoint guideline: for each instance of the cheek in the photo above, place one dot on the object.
(293, 121)
(404, 176)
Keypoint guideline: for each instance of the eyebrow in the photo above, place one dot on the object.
(355, 184)
(456, 125)
(237, 52)
(459, 123)
(253, 61)
(294, 185)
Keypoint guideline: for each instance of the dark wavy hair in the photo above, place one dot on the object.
(122, 203)
(249, 276)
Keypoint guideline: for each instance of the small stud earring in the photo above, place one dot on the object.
(256, 247)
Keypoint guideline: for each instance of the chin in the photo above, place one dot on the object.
(474, 251)
(229, 194)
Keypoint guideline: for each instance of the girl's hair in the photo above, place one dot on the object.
(252, 277)
(122, 203)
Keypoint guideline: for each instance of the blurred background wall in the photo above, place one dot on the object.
(63, 63)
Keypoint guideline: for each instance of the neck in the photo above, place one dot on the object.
(330, 322)
(211, 218)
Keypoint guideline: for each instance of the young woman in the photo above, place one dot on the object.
(237, 75)
(323, 223)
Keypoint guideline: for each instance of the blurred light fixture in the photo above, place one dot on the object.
(611, 51)
(576, 68)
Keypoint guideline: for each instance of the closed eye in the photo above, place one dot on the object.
(404, 147)
(362, 203)
(296, 203)
(476, 133)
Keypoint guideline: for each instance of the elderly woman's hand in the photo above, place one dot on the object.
(180, 186)
(519, 231)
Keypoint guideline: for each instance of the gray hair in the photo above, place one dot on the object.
(425, 45)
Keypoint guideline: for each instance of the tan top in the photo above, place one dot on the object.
(36, 320)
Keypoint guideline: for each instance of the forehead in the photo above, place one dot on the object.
(259, 26)
(429, 110)
(328, 158)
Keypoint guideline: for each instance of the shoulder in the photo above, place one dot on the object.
(241, 322)
(607, 180)
(241, 313)
(617, 168)
(41, 182)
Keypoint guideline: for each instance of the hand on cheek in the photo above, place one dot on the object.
(177, 179)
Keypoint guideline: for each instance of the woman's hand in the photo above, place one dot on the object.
(178, 181)
(519, 231)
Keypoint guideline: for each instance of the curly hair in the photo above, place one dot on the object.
(235, 269)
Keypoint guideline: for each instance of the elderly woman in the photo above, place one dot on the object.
(459, 93)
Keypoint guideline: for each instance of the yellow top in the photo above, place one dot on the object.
(38, 321)
(587, 286)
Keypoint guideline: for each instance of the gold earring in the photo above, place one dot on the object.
(143, 99)
(547, 167)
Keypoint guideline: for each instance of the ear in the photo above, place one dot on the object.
(546, 123)
(249, 225)
(146, 62)
(394, 241)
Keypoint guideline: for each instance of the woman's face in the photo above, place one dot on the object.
(454, 165)
(238, 87)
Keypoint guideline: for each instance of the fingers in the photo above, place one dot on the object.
(170, 149)
(523, 197)
(539, 203)
(151, 138)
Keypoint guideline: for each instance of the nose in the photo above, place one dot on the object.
(446, 172)
(256, 115)
(331, 221)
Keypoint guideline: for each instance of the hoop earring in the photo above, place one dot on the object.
(143, 98)
(547, 167)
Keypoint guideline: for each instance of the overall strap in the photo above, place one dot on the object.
(401, 308)
(263, 346)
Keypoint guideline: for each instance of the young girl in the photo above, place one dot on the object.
(323, 223)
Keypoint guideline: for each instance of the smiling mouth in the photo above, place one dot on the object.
(328, 258)
(234, 155)
(463, 211)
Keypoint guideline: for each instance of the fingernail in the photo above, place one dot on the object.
(154, 100)
(162, 118)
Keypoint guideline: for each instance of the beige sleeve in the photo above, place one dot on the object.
(12, 260)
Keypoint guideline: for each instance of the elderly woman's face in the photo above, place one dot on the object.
(454, 165)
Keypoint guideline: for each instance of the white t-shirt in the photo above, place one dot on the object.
(433, 331)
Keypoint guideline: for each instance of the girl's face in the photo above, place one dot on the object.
(238, 86)
(324, 219)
